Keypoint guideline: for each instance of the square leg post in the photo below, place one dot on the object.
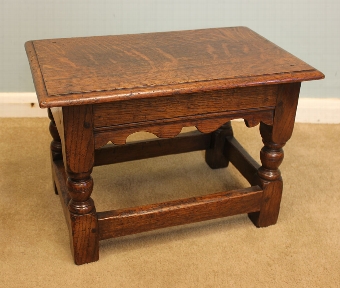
(215, 156)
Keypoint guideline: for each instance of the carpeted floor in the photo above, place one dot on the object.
(301, 250)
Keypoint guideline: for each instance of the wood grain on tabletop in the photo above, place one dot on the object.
(109, 68)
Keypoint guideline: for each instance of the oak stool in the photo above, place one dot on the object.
(104, 88)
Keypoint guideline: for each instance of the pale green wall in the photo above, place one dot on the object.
(307, 28)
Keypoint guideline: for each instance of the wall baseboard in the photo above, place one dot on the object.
(310, 110)
(318, 110)
(20, 105)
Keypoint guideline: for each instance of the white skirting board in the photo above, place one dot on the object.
(20, 105)
(310, 110)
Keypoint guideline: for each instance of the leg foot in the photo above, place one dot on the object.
(84, 238)
(269, 212)
(83, 219)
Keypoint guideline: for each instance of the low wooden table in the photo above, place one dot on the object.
(101, 89)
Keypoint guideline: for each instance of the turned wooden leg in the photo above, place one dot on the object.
(78, 147)
(215, 156)
(274, 138)
(55, 147)
(270, 179)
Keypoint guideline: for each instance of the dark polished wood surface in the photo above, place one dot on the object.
(109, 68)
(102, 89)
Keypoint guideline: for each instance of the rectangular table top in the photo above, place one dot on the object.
(85, 70)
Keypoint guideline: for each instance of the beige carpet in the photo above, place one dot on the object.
(301, 250)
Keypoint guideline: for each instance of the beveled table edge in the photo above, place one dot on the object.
(105, 96)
